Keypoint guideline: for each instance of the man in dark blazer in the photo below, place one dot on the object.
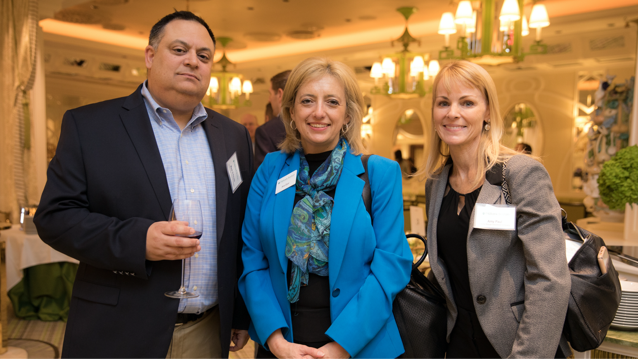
(118, 166)
(269, 135)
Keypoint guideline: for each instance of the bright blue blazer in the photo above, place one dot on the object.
(368, 265)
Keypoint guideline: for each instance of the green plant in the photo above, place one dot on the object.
(618, 179)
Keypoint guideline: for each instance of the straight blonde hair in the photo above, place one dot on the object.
(490, 150)
(313, 68)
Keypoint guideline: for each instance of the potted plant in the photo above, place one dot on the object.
(618, 179)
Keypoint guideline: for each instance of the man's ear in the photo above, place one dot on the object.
(149, 56)
(280, 94)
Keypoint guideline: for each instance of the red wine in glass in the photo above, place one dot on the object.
(190, 211)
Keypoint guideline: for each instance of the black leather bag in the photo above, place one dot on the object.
(594, 297)
(419, 309)
(421, 315)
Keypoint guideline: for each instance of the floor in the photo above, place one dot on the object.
(44, 339)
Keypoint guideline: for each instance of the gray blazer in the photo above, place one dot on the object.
(521, 276)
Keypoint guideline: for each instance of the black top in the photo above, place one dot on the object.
(311, 314)
(452, 231)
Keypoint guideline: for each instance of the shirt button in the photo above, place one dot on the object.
(192, 190)
(195, 288)
(481, 299)
(186, 161)
(196, 255)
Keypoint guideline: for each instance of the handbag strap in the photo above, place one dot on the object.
(366, 194)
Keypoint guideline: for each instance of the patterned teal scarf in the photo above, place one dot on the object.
(309, 232)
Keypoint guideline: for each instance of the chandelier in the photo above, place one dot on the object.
(403, 73)
(487, 40)
(226, 88)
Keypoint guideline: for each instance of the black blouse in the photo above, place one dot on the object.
(311, 314)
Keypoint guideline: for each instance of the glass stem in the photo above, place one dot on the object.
(182, 289)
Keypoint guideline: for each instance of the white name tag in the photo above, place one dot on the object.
(232, 166)
(286, 181)
(500, 217)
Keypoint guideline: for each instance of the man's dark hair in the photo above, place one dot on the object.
(158, 29)
(526, 148)
(279, 81)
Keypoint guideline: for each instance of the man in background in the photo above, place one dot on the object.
(523, 147)
(269, 135)
(250, 122)
(118, 167)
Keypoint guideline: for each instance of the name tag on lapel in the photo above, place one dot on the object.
(232, 166)
(286, 181)
(499, 217)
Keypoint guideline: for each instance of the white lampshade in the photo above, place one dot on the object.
(376, 72)
(525, 31)
(463, 13)
(471, 26)
(247, 87)
(447, 25)
(433, 68)
(417, 65)
(539, 17)
(388, 67)
(510, 11)
(235, 86)
(213, 86)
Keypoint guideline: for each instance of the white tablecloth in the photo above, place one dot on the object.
(27, 250)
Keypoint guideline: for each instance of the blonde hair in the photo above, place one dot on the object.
(490, 150)
(314, 68)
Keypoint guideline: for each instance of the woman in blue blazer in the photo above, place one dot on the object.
(319, 277)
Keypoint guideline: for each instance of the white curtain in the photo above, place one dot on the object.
(18, 33)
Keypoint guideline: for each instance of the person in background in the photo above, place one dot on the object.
(250, 122)
(403, 163)
(523, 147)
(118, 166)
(319, 277)
(272, 133)
(507, 288)
(268, 115)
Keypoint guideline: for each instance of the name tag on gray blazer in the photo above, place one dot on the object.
(495, 216)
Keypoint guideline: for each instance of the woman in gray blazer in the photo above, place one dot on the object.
(502, 268)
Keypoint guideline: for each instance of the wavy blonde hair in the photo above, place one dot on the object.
(490, 150)
(313, 68)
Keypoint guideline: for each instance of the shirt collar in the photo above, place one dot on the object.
(199, 114)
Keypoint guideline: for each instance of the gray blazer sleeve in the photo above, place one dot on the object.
(547, 282)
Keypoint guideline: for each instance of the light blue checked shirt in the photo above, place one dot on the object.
(190, 174)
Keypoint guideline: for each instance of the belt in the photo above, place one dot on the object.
(183, 318)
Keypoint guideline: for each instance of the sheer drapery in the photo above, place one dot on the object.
(18, 33)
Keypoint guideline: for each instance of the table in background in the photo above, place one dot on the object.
(39, 278)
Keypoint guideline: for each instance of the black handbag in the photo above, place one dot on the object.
(419, 309)
(421, 315)
(594, 297)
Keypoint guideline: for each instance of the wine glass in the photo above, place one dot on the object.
(190, 211)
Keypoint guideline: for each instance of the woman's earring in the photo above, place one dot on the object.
(487, 126)
(344, 131)
(293, 126)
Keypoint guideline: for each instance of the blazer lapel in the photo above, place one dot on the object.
(347, 199)
(217, 145)
(284, 203)
(434, 208)
(490, 194)
(138, 126)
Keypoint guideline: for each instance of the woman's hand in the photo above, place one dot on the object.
(284, 349)
(334, 350)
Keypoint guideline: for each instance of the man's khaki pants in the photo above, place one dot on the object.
(197, 339)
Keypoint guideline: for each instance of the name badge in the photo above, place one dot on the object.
(286, 181)
(232, 166)
(499, 217)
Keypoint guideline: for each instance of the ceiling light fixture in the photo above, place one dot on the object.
(225, 88)
(405, 72)
(493, 43)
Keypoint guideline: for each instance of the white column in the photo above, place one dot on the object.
(38, 107)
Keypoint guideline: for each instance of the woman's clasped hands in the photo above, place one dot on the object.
(282, 348)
